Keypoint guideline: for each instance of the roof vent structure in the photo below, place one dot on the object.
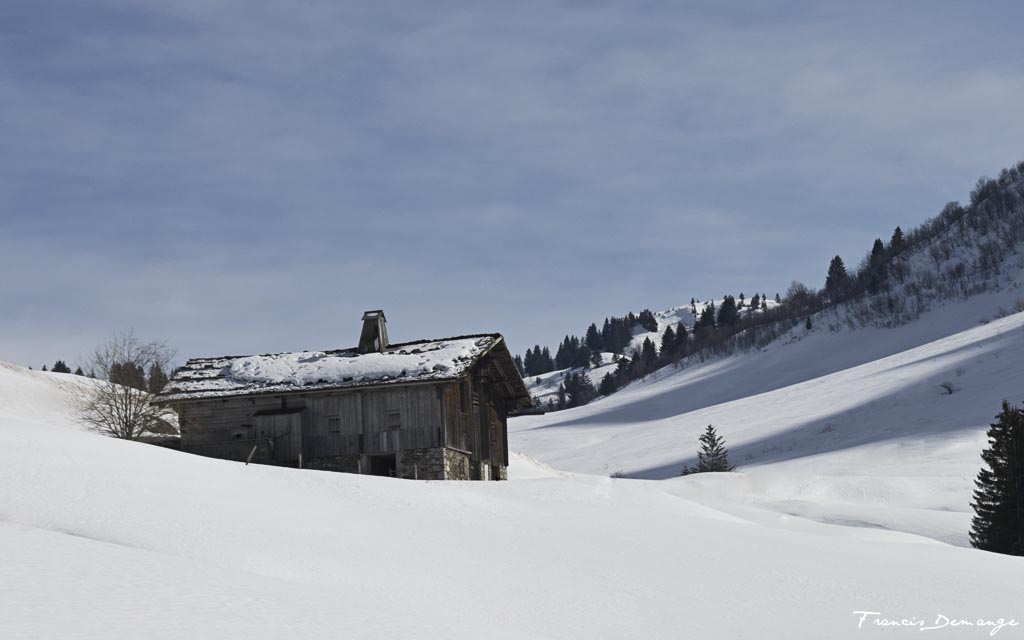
(375, 332)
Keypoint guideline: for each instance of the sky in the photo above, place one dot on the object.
(248, 177)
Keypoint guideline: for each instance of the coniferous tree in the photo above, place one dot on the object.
(728, 315)
(755, 302)
(707, 317)
(593, 339)
(519, 365)
(742, 301)
(562, 355)
(998, 523)
(682, 340)
(896, 242)
(579, 390)
(877, 250)
(876, 267)
(647, 320)
(837, 280)
(713, 456)
(648, 356)
(608, 385)
(778, 298)
(808, 324)
(622, 369)
(547, 364)
(60, 367)
(79, 372)
(668, 345)
(157, 379)
(582, 356)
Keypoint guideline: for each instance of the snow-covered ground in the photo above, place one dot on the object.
(102, 538)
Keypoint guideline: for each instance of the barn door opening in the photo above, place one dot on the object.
(385, 465)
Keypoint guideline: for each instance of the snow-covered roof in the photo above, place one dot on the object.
(420, 361)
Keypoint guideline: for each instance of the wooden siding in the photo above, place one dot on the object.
(468, 416)
(373, 421)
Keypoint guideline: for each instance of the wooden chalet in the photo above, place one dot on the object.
(429, 409)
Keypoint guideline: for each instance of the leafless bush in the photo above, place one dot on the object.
(131, 373)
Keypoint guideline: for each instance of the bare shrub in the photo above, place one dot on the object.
(130, 373)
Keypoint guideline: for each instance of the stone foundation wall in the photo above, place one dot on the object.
(457, 465)
(421, 464)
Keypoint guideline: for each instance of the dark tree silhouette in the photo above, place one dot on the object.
(998, 523)
(713, 456)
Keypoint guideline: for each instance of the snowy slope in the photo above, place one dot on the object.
(851, 426)
(109, 539)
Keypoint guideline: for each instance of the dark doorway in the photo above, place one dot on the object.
(382, 465)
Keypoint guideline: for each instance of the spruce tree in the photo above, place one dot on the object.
(547, 364)
(877, 251)
(519, 365)
(668, 345)
(682, 338)
(896, 242)
(608, 385)
(877, 271)
(707, 317)
(157, 379)
(808, 324)
(728, 315)
(837, 280)
(998, 524)
(713, 456)
(649, 356)
(593, 339)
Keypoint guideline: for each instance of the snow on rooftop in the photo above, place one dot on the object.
(308, 370)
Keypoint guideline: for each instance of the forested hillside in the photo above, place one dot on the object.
(963, 251)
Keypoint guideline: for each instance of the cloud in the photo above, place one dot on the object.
(253, 176)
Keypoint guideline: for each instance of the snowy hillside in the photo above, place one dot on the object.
(101, 538)
(845, 426)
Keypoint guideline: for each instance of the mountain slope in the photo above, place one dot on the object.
(823, 424)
